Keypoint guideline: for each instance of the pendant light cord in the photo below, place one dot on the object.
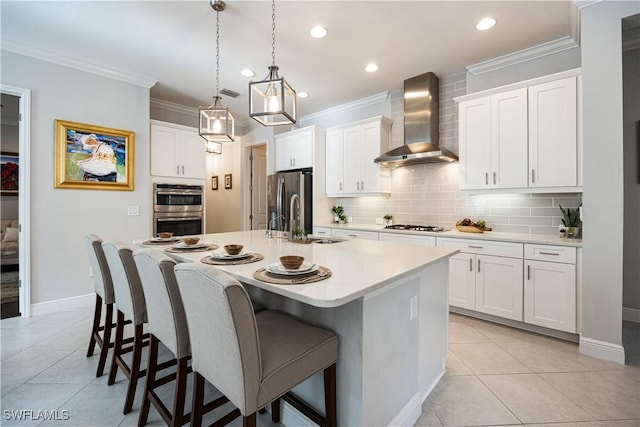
(273, 32)
(217, 53)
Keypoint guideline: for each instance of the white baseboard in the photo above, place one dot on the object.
(410, 413)
(602, 350)
(81, 302)
(631, 314)
(433, 385)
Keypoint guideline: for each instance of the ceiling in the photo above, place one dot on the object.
(173, 42)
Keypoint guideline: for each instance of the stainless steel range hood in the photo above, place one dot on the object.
(421, 126)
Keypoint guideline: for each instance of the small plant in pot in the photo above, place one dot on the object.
(388, 219)
(571, 221)
(338, 214)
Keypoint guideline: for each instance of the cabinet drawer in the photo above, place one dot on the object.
(353, 234)
(421, 240)
(321, 231)
(485, 247)
(565, 254)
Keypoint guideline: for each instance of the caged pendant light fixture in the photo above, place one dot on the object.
(272, 101)
(216, 122)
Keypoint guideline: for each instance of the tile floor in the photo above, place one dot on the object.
(495, 376)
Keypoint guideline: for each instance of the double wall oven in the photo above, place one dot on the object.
(178, 208)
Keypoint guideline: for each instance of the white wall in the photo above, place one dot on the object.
(224, 207)
(61, 217)
(603, 175)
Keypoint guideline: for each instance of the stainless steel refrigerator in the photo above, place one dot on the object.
(282, 189)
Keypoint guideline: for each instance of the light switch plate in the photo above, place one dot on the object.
(133, 210)
(414, 307)
(379, 221)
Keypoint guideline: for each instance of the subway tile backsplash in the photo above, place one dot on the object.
(429, 195)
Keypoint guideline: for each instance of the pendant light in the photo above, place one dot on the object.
(216, 122)
(272, 101)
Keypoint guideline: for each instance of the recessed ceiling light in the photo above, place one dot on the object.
(485, 24)
(303, 95)
(318, 32)
(371, 68)
(247, 73)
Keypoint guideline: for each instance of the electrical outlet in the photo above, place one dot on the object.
(379, 221)
(414, 307)
(90, 271)
(133, 210)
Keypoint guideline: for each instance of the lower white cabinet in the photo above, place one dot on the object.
(355, 234)
(321, 231)
(420, 240)
(481, 278)
(550, 287)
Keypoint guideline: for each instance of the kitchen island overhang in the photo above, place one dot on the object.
(388, 303)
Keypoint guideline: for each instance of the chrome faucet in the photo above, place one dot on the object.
(291, 219)
(268, 232)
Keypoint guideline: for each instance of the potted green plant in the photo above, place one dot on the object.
(388, 219)
(338, 214)
(571, 221)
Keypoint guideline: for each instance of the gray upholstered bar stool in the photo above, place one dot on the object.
(253, 359)
(130, 303)
(104, 295)
(167, 324)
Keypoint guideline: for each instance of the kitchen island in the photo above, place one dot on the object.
(388, 304)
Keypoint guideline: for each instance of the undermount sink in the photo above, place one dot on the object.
(325, 240)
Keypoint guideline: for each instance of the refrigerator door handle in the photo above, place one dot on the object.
(279, 201)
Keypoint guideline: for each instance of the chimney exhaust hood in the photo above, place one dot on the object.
(421, 126)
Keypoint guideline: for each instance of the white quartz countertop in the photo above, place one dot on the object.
(358, 266)
(487, 235)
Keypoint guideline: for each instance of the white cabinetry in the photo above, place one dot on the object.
(321, 231)
(521, 136)
(407, 238)
(553, 148)
(176, 151)
(493, 141)
(354, 234)
(486, 277)
(294, 149)
(550, 287)
(350, 152)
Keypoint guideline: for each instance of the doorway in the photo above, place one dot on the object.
(258, 187)
(16, 137)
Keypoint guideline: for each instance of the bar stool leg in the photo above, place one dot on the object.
(150, 380)
(95, 328)
(135, 369)
(197, 400)
(331, 415)
(106, 340)
(180, 391)
(275, 411)
(117, 348)
(249, 420)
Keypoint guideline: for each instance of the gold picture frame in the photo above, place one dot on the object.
(93, 157)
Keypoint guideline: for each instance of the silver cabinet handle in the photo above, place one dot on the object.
(361, 185)
(352, 235)
(475, 247)
(358, 185)
(486, 178)
(478, 266)
(470, 264)
(494, 178)
(533, 175)
(549, 253)
(177, 169)
(321, 232)
(294, 161)
(182, 169)
(341, 186)
(528, 272)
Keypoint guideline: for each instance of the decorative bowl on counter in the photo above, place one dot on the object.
(165, 235)
(191, 240)
(469, 229)
(291, 262)
(233, 249)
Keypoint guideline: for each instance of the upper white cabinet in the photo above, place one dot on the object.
(176, 151)
(350, 152)
(521, 136)
(553, 148)
(493, 141)
(294, 149)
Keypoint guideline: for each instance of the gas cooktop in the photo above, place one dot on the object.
(415, 227)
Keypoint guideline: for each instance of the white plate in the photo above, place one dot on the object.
(224, 255)
(277, 268)
(183, 245)
(164, 239)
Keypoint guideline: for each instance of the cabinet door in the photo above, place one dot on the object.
(285, 149)
(475, 143)
(352, 154)
(355, 234)
(334, 162)
(193, 156)
(509, 154)
(550, 295)
(165, 149)
(499, 286)
(553, 147)
(370, 149)
(302, 150)
(462, 281)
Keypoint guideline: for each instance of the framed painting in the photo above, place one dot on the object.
(9, 166)
(227, 181)
(93, 157)
(214, 182)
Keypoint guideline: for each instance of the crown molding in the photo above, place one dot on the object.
(363, 102)
(172, 106)
(581, 4)
(528, 54)
(67, 61)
